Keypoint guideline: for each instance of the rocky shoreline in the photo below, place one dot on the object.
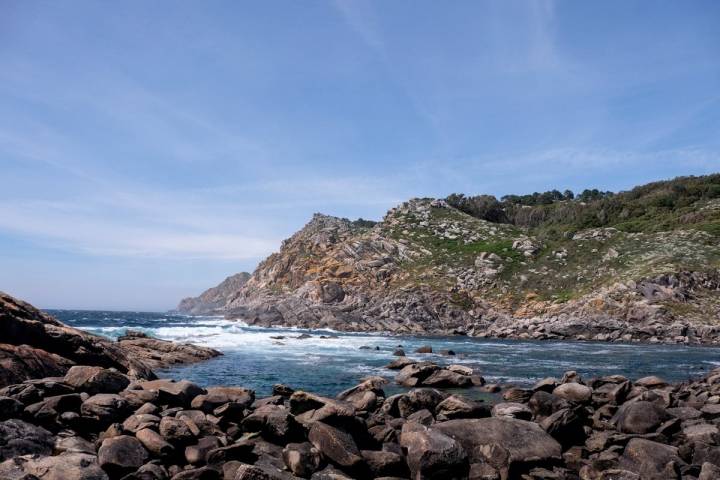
(35, 345)
(96, 423)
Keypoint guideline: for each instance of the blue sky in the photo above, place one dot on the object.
(149, 149)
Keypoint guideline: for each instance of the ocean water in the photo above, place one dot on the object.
(252, 358)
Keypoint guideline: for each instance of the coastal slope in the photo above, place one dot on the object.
(641, 265)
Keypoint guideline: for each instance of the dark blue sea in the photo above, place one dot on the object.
(328, 365)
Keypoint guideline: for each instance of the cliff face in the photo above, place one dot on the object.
(429, 268)
(214, 300)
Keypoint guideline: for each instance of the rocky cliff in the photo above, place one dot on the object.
(215, 299)
(35, 345)
(429, 268)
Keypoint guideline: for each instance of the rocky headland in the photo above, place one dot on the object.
(639, 266)
(35, 345)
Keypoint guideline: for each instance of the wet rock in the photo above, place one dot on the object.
(424, 349)
(400, 363)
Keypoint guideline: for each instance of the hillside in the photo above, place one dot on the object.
(646, 269)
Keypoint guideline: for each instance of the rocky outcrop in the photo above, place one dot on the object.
(98, 424)
(36, 345)
(157, 353)
(428, 268)
(214, 300)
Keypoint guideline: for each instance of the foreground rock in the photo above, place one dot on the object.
(36, 345)
(98, 424)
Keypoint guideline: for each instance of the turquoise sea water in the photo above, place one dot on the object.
(328, 365)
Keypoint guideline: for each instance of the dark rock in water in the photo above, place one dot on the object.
(21, 438)
(121, 455)
(400, 363)
(399, 352)
(424, 349)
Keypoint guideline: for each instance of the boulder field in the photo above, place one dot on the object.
(97, 423)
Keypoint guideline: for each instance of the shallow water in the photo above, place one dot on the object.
(328, 365)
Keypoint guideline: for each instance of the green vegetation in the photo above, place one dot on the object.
(681, 203)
